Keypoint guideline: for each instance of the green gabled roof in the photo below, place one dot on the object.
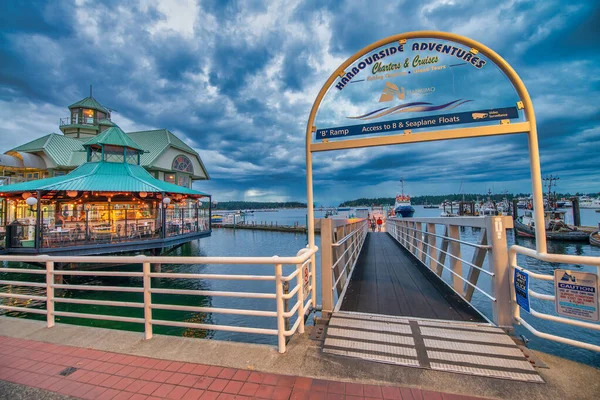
(113, 136)
(106, 121)
(90, 102)
(102, 177)
(58, 147)
(156, 142)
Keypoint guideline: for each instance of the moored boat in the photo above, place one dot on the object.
(595, 238)
(402, 206)
(556, 228)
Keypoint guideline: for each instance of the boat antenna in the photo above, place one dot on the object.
(402, 185)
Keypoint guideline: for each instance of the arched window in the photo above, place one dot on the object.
(183, 164)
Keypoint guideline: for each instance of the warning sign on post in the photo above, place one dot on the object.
(522, 289)
(576, 294)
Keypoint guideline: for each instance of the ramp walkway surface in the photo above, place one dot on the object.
(397, 311)
(388, 280)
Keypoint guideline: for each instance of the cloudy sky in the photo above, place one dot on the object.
(236, 80)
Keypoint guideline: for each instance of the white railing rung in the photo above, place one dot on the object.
(99, 288)
(211, 327)
(21, 283)
(99, 302)
(559, 339)
(253, 313)
(22, 296)
(171, 275)
(102, 317)
(23, 271)
(209, 293)
(23, 309)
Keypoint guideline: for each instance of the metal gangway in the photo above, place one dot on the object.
(405, 296)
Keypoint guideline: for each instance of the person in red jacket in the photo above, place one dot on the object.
(379, 223)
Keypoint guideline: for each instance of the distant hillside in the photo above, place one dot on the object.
(257, 205)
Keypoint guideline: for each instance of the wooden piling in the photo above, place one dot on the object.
(576, 211)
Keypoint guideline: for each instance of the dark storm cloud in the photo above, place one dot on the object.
(236, 80)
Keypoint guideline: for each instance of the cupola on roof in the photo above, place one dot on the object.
(90, 102)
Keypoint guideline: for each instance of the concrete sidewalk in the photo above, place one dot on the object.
(564, 379)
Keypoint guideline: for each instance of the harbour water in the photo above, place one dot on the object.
(229, 242)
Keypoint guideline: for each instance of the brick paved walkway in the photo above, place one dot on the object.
(105, 375)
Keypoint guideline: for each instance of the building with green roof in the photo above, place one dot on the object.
(106, 192)
(165, 157)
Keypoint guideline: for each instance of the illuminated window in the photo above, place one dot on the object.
(88, 116)
(170, 178)
(183, 164)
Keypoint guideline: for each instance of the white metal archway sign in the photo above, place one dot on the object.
(419, 87)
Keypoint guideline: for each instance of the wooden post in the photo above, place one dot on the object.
(478, 258)
(515, 210)
(443, 250)
(576, 211)
(432, 247)
(498, 261)
(455, 262)
(326, 263)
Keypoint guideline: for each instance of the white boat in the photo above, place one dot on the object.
(588, 202)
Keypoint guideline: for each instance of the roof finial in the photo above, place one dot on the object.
(90, 90)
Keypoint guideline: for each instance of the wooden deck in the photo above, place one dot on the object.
(388, 280)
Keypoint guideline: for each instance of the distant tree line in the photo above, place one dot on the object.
(422, 200)
(257, 205)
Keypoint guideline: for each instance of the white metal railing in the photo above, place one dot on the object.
(302, 274)
(442, 252)
(341, 243)
(557, 258)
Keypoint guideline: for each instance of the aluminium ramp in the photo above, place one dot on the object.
(469, 348)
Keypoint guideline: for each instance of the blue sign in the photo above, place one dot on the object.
(522, 289)
(419, 122)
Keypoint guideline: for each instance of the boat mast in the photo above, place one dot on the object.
(551, 181)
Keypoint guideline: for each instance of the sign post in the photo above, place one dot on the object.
(576, 294)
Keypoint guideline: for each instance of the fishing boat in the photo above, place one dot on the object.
(556, 228)
(216, 219)
(595, 238)
(402, 206)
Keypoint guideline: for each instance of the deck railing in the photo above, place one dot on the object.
(555, 258)
(442, 252)
(299, 281)
(341, 243)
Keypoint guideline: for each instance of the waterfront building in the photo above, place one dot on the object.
(95, 189)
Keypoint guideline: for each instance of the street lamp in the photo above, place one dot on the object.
(31, 201)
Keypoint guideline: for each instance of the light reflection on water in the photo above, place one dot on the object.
(228, 242)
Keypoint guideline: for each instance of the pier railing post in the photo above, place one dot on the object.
(496, 237)
(455, 261)
(326, 266)
(147, 302)
(300, 282)
(50, 293)
(432, 248)
(280, 310)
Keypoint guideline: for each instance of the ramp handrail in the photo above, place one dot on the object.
(303, 272)
(558, 258)
(341, 243)
(442, 252)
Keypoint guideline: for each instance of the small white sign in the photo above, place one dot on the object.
(576, 294)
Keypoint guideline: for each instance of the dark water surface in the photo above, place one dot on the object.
(228, 242)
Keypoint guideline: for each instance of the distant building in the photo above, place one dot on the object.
(165, 157)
